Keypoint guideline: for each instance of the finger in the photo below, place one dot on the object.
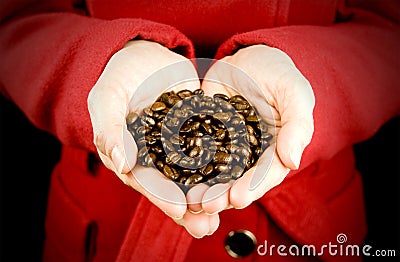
(194, 197)
(123, 159)
(226, 78)
(218, 79)
(160, 190)
(213, 224)
(216, 198)
(295, 103)
(258, 180)
(175, 76)
(197, 225)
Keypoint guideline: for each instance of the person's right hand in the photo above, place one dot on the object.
(109, 103)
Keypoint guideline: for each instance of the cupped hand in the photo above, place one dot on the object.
(129, 84)
(283, 97)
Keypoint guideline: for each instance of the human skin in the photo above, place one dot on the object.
(282, 90)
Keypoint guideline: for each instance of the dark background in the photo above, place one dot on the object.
(27, 156)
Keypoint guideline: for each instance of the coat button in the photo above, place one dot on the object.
(240, 243)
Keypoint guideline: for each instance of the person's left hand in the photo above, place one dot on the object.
(270, 81)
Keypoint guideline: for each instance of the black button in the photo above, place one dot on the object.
(240, 243)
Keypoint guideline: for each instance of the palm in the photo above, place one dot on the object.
(270, 81)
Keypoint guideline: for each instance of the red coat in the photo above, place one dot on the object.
(52, 53)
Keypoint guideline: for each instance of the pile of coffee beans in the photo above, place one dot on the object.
(193, 138)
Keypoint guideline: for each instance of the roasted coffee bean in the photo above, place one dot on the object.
(188, 172)
(198, 133)
(141, 130)
(198, 141)
(168, 146)
(252, 119)
(165, 130)
(266, 136)
(193, 138)
(221, 96)
(203, 117)
(148, 112)
(222, 158)
(240, 106)
(187, 161)
(237, 172)
(258, 151)
(184, 93)
(253, 140)
(262, 127)
(131, 118)
(148, 121)
(207, 170)
(195, 125)
(220, 134)
(198, 92)
(150, 159)
(172, 100)
(237, 98)
(223, 178)
(235, 158)
(264, 144)
(237, 121)
(250, 129)
(172, 158)
(164, 97)
(142, 152)
(207, 128)
(182, 180)
(176, 139)
(196, 151)
(141, 142)
(178, 113)
(224, 117)
(193, 179)
(158, 116)
(223, 149)
(158, 150)
(208, 155)
(185, 128)
(170, 172)
(160, 164)
(232, 148)
(220, 168)
(151, 140)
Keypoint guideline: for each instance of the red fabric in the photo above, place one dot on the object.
(53, 52)
(353, 69)
(60, 56)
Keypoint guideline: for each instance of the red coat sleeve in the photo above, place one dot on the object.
(353, 68)
(51, 56)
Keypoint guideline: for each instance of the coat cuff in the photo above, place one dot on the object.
(352, 70)
(60, 56)
(105, 39)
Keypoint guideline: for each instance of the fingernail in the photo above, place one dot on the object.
(295, 156)
(117, 159)
(195, 212)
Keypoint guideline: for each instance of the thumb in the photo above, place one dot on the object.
(111, 137)
(296, 108)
